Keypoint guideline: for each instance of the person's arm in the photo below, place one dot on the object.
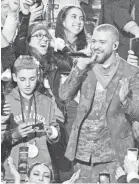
(20, 43)
(72, 85)
(7, 53)
(132, 168)
(11, 23)
(131, 106)
(122, 17)
(53, 130)
(13, 171)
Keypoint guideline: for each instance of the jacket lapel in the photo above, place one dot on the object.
(87, 94)
(114, 83)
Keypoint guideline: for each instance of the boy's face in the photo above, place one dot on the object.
(26, 80)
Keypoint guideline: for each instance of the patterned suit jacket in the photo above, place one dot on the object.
(119, 118)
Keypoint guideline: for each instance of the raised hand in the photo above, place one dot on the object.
(36, 12)
(13, 170)
(124, 90)
(119, 172)
(132, 59)
(6, 112)
(26, 6)
(84, 62)
(14, 5)
(131, 166)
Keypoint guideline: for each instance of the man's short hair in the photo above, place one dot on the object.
(25, 62)
(108, 28)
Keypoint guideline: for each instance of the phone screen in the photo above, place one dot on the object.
(132, 154)
(104, 178)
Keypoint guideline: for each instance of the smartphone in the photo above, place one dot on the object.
(78, 54)
(23, 160)
(134, 45)
(104, 177)
(39, 126)
(132, 154)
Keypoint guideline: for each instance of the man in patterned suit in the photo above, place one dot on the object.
(109, 105)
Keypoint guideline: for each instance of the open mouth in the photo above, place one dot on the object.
(43, 45)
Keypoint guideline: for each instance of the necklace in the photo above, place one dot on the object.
(32, 148)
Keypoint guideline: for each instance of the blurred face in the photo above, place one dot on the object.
(5, 5)
(26, 80)
(102, 45)
(40, 41)
(40, 174)
(74, 21)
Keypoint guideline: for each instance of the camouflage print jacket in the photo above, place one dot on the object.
(119, 117)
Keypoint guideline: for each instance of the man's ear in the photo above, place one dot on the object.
(14, 77)
(115, 45)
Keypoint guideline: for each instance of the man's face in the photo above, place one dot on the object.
(40, 41)
(102, 45)
(26, 80)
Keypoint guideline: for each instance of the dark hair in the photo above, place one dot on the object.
(31, 168)
(108, 28)
(81, 41)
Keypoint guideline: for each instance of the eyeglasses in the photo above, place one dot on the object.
(41, 36)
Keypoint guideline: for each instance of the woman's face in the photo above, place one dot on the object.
(74, 21)
(40, 174)
(40, 41)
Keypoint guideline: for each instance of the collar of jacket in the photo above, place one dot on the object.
(15, 94)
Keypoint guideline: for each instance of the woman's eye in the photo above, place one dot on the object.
(32, 79)
(82, 19)
(46, 176)
(36, 174)
(74, 16)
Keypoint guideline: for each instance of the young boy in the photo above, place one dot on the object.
(32, 121)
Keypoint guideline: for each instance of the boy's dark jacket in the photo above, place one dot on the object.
(45, 113)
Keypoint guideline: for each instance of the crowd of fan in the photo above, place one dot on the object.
(36, 123)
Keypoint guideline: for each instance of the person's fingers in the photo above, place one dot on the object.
(131, 52)
(132, 57)
(27, 129)
(24, 134)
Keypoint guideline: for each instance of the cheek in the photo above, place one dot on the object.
(46, 180)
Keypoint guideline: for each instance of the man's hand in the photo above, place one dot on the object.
(48, 131)
(36, 12)
(51, 132)
(84, 62)
(119, 172)
(124, 90)
(14, 5)
(132, 59)
(57, 43)
(6, 112)
(135, 127)
(22, 131)
(131, 166)
(26, 6)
